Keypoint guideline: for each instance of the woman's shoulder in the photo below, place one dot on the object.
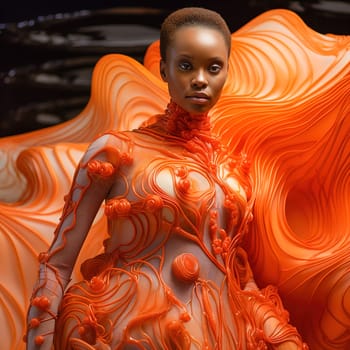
(111, 146)
(112, 139)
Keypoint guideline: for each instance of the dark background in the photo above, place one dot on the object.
(329, 16)
(48, 48)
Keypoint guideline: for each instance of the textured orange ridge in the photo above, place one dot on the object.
(286, 106)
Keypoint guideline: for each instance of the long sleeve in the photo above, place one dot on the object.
(90, 186)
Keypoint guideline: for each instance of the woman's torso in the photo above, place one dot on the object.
(170, 198)
(176, 211)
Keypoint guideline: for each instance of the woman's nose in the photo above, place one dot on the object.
(199, 79)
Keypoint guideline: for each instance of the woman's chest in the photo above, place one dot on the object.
(191, 189)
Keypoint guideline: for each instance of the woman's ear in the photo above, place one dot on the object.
(162, 70)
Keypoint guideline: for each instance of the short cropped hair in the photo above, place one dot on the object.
(192, 16)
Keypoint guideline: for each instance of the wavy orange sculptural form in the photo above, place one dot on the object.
(286, 106)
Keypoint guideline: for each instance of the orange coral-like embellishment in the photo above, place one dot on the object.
(43, 303)
(117, 207)
(34, 323)
(213, 227)
(186, 267)
(230, 202)
(221, 245)
(153, 203)
(97, 283)
(239, 161)
(126, 158)
(185, 317)
(226, 244)
(39, 340)
(245, 163)
(181, 172)
(100, 169)
(184, 185)
(217, 245)
(234, 161)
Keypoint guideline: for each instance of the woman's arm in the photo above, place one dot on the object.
(91, 183)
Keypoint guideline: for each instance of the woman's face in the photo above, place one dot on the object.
(196, 67)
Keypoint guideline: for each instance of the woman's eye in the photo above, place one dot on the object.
(185, 66)
(215, 68)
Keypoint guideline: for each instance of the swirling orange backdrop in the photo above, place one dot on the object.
(286, 104)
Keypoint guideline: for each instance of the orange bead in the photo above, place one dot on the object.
(34, 323)
(184, 185)
(42, 303)
(97, 283)
(185, 317)
(186, 267)
(39, 340)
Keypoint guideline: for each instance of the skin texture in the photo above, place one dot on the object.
(285, 105)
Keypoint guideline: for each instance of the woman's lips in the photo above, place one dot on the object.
(199, 98)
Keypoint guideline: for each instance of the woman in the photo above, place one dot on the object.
(172, 275)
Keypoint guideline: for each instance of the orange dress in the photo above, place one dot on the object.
(173, 274)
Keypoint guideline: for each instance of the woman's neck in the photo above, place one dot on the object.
(191, 131)
(178, 122)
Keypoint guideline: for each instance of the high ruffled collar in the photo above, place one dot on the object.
(178, 122)
(191, 131)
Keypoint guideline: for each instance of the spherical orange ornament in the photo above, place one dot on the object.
(186, 267)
